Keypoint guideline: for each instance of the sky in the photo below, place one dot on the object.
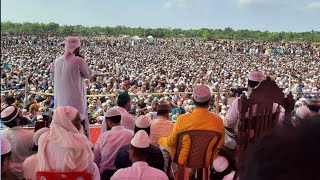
(270, 15)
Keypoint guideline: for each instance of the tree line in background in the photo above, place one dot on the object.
(205, 33)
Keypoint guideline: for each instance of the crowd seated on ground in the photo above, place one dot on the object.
(165, 66)
(137, 131)
(63, 147)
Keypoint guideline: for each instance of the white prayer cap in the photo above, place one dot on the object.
(220, 164)
(229, 176)
(256, 76)
(104, 104)
(9, 114)
(143, 122)
(303, 112)
(201, 93)
(109, 101)
(50, 88)
(38, 133)
(149, 108)
(5, 146)
(140, 140)
(302, 99)
(39, 117)
(113, 112)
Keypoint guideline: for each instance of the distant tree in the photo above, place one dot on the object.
(204, 33)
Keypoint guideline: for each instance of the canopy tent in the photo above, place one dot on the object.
(150, 39)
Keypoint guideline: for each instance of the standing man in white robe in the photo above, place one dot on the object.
(70, 72)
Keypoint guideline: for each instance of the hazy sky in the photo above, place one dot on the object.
(272, 15)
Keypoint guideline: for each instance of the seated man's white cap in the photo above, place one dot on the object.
(143, 122)
(5, 146)
(220, 164)
(39, 117)
(112, 112)
(303, 112)
(257, 76)
(201, 93)
(9, 114)
(140, 140)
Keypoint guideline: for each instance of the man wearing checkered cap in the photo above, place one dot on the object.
(200, 119)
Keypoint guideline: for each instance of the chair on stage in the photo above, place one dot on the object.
(200, 141)
(63, 176)
(257, 114)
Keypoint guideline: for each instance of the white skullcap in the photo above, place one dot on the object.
(149, 108)
(113, 112)
(302, 99)
(104, 104)
(39, 117)
(9, 114)
(201, 93)
(38, 133)
(5, 146)
(303, 112)
(143, 122)
(229, 176)
(256, 76)
(220, 164)
(140, 140)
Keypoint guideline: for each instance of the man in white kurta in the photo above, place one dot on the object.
(21, 140)
(231, 120)
(162, 126)
(70, 72)
(108, 144)
(140, 170)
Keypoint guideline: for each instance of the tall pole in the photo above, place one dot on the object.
(26, 90)
(290, 81)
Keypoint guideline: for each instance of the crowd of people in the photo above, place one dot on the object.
(140, 148)
(165, 66)
(144, 95)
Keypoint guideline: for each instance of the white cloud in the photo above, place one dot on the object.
(313, 5)
(175, 3)
(167, 5)
(245, 3)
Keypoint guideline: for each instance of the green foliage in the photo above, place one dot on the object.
(227, 33)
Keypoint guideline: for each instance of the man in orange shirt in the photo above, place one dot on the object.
(200, 119)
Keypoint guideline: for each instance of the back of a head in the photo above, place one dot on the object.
(285, 153)
(254, 78)
(314, 105)
(123, 99)
(143, 123)
(201, 96)
(163, 109)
